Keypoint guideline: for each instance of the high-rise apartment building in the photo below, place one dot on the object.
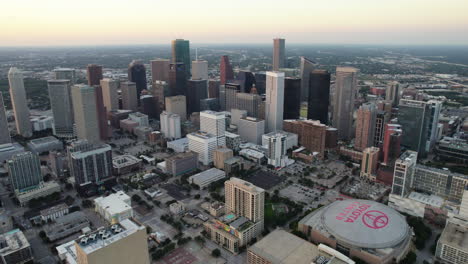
(62, 107)
(214, 123)
(85, 112)
(370, 159)
(177, 105)
(94, 74)
(24, 170)
(181, 53)
(365, 126)
(204, 144)
(318, 94)
(404, 172)
(392, 93)
(196, 91)
(274, 107)
(225, 69)
(279, 56)
(251, 129)
(307, 66)
(137, 74)
(177, 79)
(199, 70)
(170, 125)
(343, 101)
(292, 98)
(160, 70)
(19, 102)
(276, 149)
(90, 163)
(244, 199)
(65, 74)
(129, 96)
(4, 132)
(311, 134)
(110, 94)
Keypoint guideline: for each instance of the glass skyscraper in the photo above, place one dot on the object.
(181, 53)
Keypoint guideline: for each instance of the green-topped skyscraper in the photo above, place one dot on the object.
(181, 53)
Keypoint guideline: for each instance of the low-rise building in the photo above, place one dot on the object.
(205, 178)
(54, 212)
(115, 207)
(15, 248)
(125, 164)
(182, 163)
(179, 145)
(215, 209)
(142, 132)
(66, 225)
(220, 155)
(128, 125)
(452, 246)
(453, 150)
(44, 189)
(233, 165)
(45, 144)
(177, 208)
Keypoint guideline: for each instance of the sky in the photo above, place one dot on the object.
(122, 22)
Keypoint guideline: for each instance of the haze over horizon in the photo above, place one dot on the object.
(106, 22)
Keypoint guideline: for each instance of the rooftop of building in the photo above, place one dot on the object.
(432, 200)
(223, 150)
(246, 185)
(233, 160)
(455, 235)
(202, 135)
(137, 114)
(125, 160)
(455, 143)
(208, 174)
(230, 135)
(281, 247)
(180, 141)
(252, 153)
(114, 203)
(53, 209)
(44, 140)
(252, 119)
(182, 155)
(12, 241)
(58, 81)
(441, 171)
(278, 134)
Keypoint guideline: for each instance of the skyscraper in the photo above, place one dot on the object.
(311, 134)
(199, 70)
(129, 96)
(307, 66)
(177, 105)
(343, 101)
(213, 88)
(260, 82)
(196, 91)
(137, 74)
(230, 95)
(160, 70)
(251, 129)
(279, 59)
(292, 98)
(177, 79)
(101, 113)
(110, 93)
(249, 102)
(404, 172)
(150, 106)
(62, 107)
(246, 79)
(24, 170)
(170, 125)
(65, 74)
(181, 53)
(85, 112)
(19, 102)
(214, 123)
(365, 126)
(4, 132)
(391, 143)
(244, 199)
(318, 94)
(94, 74)
(392, 93)
(225, 69)
(274, 101)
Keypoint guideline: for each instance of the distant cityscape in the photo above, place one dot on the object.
(257, 154)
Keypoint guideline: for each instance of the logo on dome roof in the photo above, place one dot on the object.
(375, 219)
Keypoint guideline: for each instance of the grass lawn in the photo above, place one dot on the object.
(269, 213)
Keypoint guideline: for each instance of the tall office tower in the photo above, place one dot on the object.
(137, 74)
(415, 119)
(251, 129)
(177, 79)
(4, 132)
(318, 94)
(177, 105)
(225, 70)
(62, 108)
(199, 70)
(89, 163)
(170, 125)
(260, 82)
(101, 113)
(214, 123)
(209, 104)
(124, 242)
(343, 101)
(370, 160)
(391, 143)
(19, 102)
(196, 91)
(244, 199)
(392, 93)
(160, 70)
(246, 79)
(110, 93)
(307, 66)
(404, 172)
(65, 74)
(435, 107)
(129, 96)
(274, 101)
(24, 170)
(150, 106)
(213, 88)
(381, 119)
(204, 144)
(276, 148)
(181, 54)
(94, 74)
(311, 134)
(250, 103)
(230, 95)
(365, 126)
(279, 57)
(85, 112)
(292, 98)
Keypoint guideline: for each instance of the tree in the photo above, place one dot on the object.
(86, 203)
(410, 258)
(216, 253)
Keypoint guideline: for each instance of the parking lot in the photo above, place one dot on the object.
(265, 179)
(300, 193)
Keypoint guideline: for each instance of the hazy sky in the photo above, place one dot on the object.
(97, 22)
